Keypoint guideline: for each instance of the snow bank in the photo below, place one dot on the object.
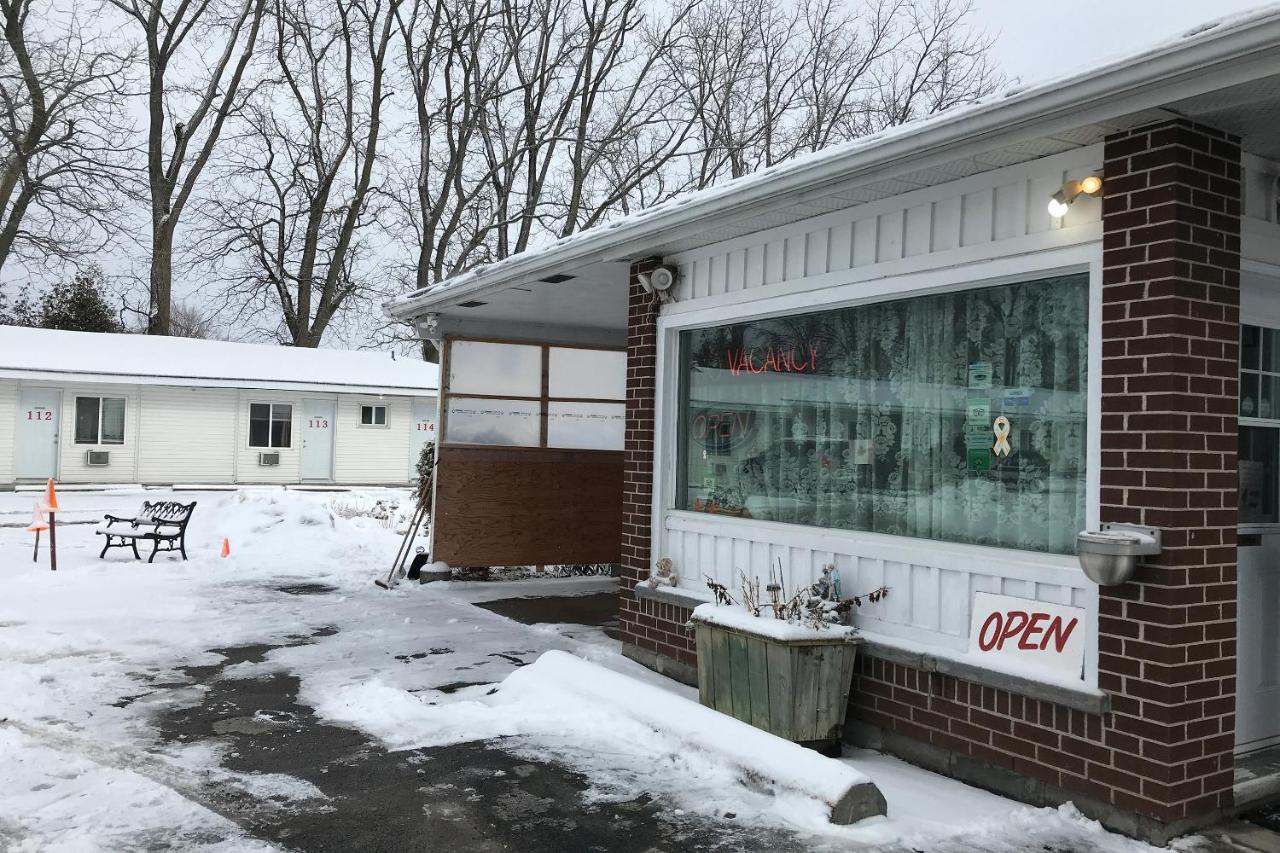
(766, 625)
(562, 697)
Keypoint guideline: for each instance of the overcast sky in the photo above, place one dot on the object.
(1044, 38)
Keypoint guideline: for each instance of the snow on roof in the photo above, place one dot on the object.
(147, 359)
(1102, 78)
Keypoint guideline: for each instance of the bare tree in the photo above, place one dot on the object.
(297, 194)
(63, 134)
(531, 118)
(767, 80)
(197, 55)
(190, 320)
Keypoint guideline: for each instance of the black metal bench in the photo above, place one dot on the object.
(162, 523)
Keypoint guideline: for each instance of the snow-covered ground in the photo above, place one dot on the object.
(91, 655)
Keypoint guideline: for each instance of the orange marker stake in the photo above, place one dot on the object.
(51, 506)
(226, 547)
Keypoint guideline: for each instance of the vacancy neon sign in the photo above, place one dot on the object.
(772, 360)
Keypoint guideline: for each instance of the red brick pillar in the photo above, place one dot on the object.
(1171, 296)
(652, 630)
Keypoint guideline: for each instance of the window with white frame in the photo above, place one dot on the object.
(1259, 448)
(535, 395)
(373, 415)
(99, 420)
(270, 425)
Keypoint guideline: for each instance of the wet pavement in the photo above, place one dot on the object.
(471, 796)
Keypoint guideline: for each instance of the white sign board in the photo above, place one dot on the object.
(1021, 634)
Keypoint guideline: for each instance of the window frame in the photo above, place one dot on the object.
(1271, 423)
(544, 399)
(271, 408)
(373, 424)
(98, 439)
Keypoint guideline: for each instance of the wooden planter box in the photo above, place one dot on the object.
(797, 689)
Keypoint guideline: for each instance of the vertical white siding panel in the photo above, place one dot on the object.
(723, 546)
(8, 428)
(815, 255)
(754, 275)
(795, 251)
(1011, 211)
(865, 238)
(737, 278)
(840, 247)
(924, 597)
(954, 608)
(917, 230)
(1039, 191)
(717, 274)
(898, 605)
(775, 256)
(947, 222)
(978, 219)
(889, 230)
(701, 268)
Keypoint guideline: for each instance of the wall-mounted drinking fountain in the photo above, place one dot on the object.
(1110, 556)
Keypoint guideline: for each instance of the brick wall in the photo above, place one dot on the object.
(1161, 760)
(1171, 297)
(638, 619)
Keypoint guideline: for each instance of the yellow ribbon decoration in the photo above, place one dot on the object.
(1001, 428)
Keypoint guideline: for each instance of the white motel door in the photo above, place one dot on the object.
(317, 440)
(37, 433)
(1258, 649)
(424, 430)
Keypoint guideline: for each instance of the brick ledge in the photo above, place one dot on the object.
(1086, 699)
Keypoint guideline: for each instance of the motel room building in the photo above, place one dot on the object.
(933, 358)
(98, 409)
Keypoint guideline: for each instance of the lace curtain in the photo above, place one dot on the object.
(883, 417)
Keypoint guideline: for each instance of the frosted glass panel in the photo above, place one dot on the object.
(586, 426)
(594, 374)
(513, 423)
(513, 370)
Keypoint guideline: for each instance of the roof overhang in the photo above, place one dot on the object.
(1227, 74)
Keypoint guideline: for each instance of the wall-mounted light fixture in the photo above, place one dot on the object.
(1060, 202)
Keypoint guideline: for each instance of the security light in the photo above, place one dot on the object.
(1060, 202)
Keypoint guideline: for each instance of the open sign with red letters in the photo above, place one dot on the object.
(1028, 634)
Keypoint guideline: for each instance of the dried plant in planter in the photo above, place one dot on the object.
(817, 606)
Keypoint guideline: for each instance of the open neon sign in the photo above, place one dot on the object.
(772, 360)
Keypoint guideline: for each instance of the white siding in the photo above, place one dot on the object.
(246, 459)
(123, 466)
(179, 434)
(373, 454)
(186, 435)
(932, 583)
(935, 226)
(8, 427)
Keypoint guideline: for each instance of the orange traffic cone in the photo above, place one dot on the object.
(50, 498)
(226, 547)
(37, 520)
(37, 525)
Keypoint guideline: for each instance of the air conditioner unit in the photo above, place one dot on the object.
(97, 458)
(269, 459)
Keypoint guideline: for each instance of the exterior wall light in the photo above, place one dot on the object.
(1060, 202)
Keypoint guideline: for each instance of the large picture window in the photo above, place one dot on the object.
(958, 417)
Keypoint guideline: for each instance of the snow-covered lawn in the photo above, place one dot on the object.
(91, 655)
